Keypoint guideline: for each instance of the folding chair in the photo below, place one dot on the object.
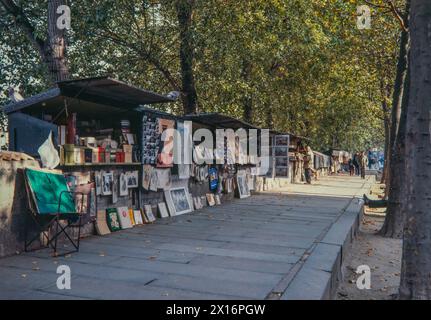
(50, 202)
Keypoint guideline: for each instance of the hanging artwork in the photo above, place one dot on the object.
(107, 181)
(132, 179)
(123, 185)
(183, 171)
(242, 186)
(112, 219)
(98, 182)
(178, 201)
(153, 180)
(165, 157)
(163, 178)
(149, 213)
(146, 176)
(163, 210)
(213, 178)
(115, 189)
(124, 217)
(150, 140)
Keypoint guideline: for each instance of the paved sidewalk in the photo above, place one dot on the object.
(255, 248)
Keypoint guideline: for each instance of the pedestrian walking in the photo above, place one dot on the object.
(363, 160)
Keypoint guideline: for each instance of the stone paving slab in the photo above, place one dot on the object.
(273, 242)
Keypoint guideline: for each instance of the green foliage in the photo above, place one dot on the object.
(302, 65)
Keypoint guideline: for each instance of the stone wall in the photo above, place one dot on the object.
(13, 205)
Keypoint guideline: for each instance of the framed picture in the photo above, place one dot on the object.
(149, 213)
(115, 189)
(163, 210)
(107, 181)
(132, 179)
(241, 182)
(217, 199)
(210, 199)
(138, 217)
(123, 185)
(112, 219)
(98, 182)
(281, 140)
(124, 217)
(178, 201)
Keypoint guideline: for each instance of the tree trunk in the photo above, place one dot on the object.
(387, 124)
(394, 220)
(55, 46)
(189, 95)
(52, 50)
(416, 260)
(395, 212)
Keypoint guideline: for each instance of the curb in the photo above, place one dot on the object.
(321, 273)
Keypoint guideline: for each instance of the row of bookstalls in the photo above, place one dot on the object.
(110, 142)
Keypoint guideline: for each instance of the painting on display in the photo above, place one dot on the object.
(132, 179)
(138, 217)
(107, 181)
(112, 219)
(149, 213)
(124, 217)
(210, 199)
(123, 185)
(178, 201)
(163, 210)
(165, 158)
(242, 185)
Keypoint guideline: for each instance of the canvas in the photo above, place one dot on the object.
(149, 213)
(107, 181)
(217, 199)
(178, 201)
(132, 179)
(112, 219)
(138, 217)
(124, 191)
(210, 199)
(101, 224)
(124, 217)
(242, 185)
(163, 210)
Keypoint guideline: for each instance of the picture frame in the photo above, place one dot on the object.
(132, 179)
(149, 213)
(242, 186)
(217, 199)
(124, 190)
(138, 217)
(124, 218)
(163, 210)
(178, 201)
(107, 181)
(210, 199)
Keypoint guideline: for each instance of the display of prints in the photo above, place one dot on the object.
(153, 180)
(146, 176)
(115, 189)
(150, 140)
(107, 181)
(138, 217)
(149, 213)
(132, 179)
(124, 217)
(280, 151)
(217, 199)
(213, 178)
(112, 219)
(178, 201)
(163, 178)
(210, 199)
(98, 182)
(123, 185)
(163, 210)
(165, 158)
(242, 185)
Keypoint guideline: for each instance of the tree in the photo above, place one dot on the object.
(395, 214)
(185, 20)
(416, 258)
(52, 49)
